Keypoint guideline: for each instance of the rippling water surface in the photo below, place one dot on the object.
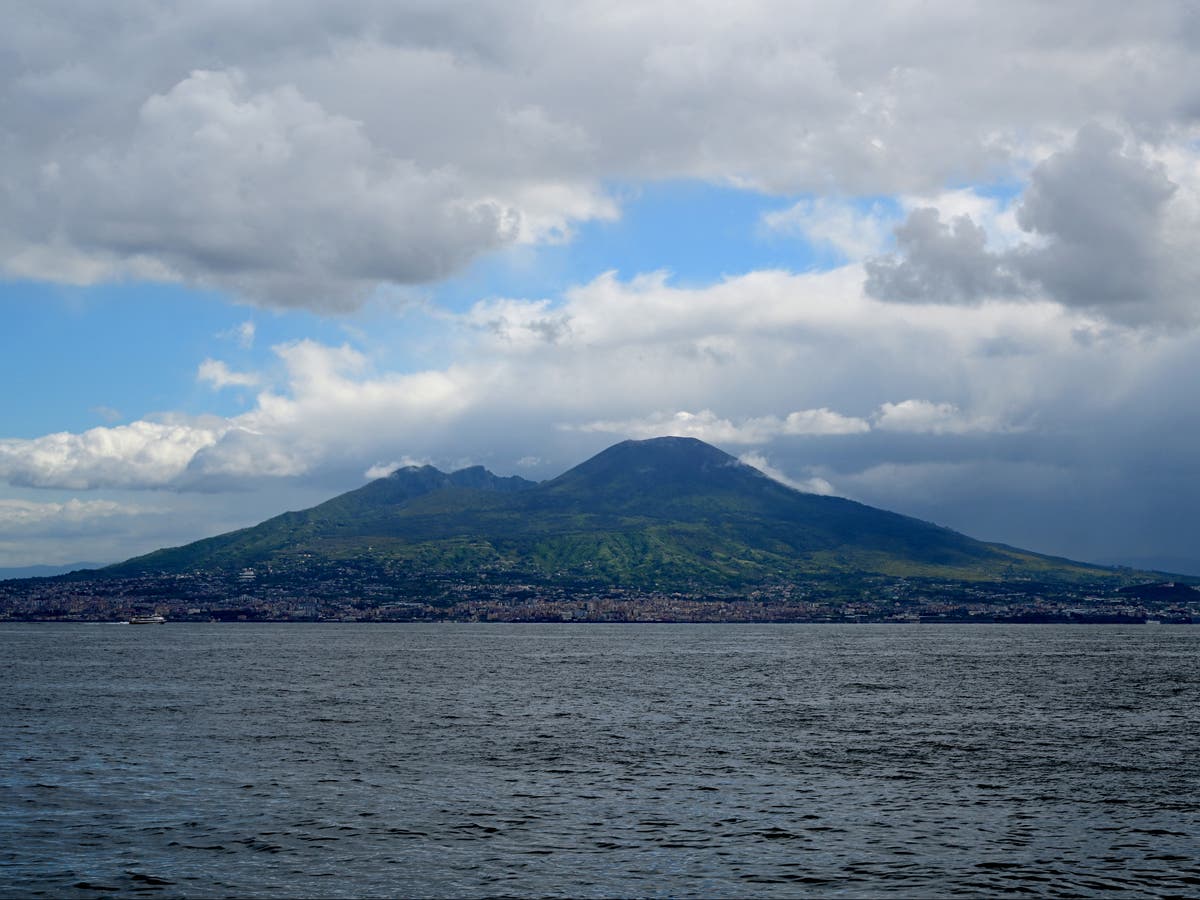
(461, 760)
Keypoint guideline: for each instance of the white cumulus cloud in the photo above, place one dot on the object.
(140, 454)
(927, 417)
(219, 375)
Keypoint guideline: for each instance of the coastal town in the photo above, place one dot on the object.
(353, 591)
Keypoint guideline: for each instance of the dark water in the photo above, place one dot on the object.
(456, 760)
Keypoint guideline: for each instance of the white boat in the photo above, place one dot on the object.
(146, 620)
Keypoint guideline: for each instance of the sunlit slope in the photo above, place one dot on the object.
(662, 512)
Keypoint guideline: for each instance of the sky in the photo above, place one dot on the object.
(939, 257)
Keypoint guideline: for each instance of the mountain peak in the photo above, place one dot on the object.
(633, 469)
(674, 452)
(673, 444)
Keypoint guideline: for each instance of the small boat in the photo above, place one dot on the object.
(146, 620)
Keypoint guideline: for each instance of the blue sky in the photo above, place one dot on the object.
(869, 253)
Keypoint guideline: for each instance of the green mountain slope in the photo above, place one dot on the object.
(662, 512)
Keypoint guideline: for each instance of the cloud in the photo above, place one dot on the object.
(926, 417)
(853, 230)
(140, 454)
(383, 470)
(219, 375)
(814, 485)
(939, 262)
(1100, 214)
(791, 357)
(910, 416)
(262, 193)
(707, 426)
(319, 417)
(1103, 228)
(822, 421)
(332, 407)
(298, 166)
(994, 213)
(72, 530)
(520, 324)
(29, 517)
(243, 334)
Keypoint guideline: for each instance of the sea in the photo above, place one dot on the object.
(583, 760)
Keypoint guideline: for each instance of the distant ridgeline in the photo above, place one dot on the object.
(668, 513)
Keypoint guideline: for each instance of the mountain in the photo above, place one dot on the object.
(20, 572)
(663, 512)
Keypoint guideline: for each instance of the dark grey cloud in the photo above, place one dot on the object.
(1100, 214)
(1103, 235)
(939, 262)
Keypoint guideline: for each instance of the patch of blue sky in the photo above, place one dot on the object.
(402, 329)
(698, 232)
(76, 357)
(1004, 192)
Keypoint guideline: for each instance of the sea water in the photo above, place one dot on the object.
(596, 760)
